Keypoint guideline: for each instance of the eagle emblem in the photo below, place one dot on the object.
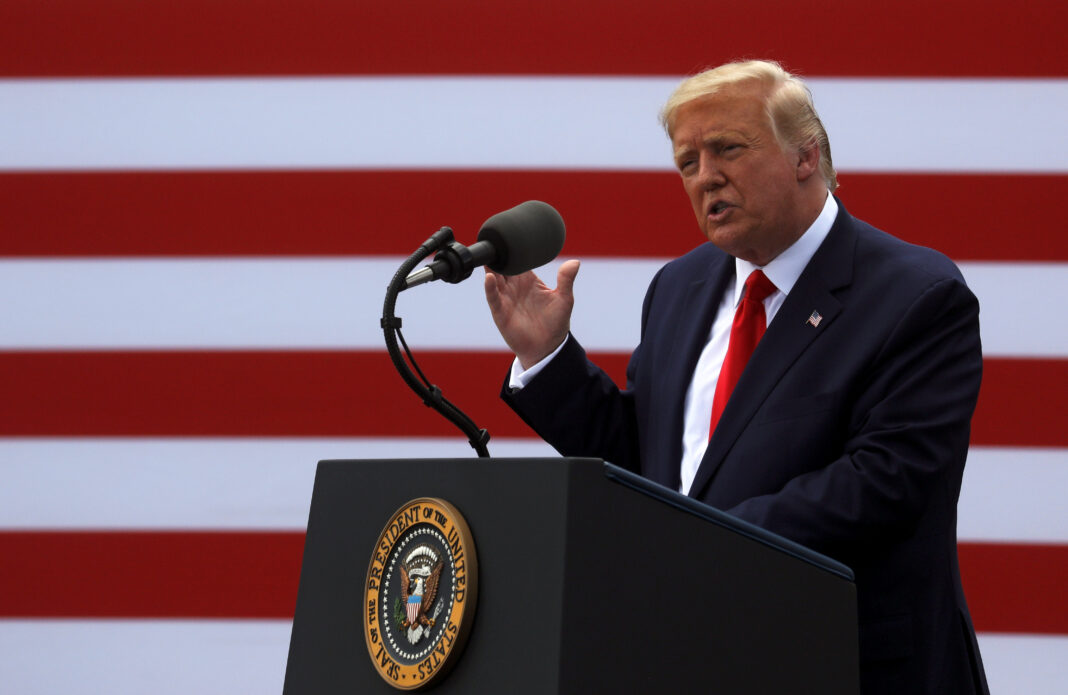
(421, 591)
(420, 574)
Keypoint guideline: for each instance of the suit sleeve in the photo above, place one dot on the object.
(907, 435)
(578, 409)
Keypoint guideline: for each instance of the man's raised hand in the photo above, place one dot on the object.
(533, 319)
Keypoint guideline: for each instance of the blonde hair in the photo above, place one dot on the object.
(788, 104)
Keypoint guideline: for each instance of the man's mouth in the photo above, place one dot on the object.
(718, 209)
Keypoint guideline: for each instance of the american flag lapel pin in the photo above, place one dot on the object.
(814, 319)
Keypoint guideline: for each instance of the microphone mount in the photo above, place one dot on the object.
(454, 263)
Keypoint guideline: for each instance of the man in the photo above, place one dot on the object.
(847, 427)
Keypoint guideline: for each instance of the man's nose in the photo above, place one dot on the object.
(710, 175)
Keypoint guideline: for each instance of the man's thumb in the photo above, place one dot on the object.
(565, 277)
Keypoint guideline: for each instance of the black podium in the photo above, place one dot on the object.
(591, 580)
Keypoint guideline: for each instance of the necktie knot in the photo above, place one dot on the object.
(758, 287)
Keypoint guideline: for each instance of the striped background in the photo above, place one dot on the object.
(202, 201)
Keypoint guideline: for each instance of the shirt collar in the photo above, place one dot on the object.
(786, 268)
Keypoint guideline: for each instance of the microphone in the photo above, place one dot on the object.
(511, 242)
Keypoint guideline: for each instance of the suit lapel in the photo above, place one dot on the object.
(697, 311)
(788, 336)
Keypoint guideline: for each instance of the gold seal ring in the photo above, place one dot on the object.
(420, 594)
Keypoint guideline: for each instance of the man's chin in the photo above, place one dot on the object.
(727, 237)
(736, 244)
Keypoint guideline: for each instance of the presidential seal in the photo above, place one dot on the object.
(419, 600)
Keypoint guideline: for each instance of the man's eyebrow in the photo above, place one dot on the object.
(712, 139)
(724, 135)
(682, 150)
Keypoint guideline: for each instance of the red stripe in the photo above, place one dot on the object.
(275, 37)
(336, 393)
(243, 393)
(1022, 402)
(149, 574)
(70, 574)
(392, 212)
(1016, 588)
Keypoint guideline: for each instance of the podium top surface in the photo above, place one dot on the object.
(721, 518)
(616, 475)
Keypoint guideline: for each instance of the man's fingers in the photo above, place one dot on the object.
(493, 292)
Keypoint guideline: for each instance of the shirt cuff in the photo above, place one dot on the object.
(520, 378)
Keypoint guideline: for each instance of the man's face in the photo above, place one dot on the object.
(744, 187)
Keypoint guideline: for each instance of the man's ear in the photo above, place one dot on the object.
(808, 162)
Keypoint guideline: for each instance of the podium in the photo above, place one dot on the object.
(590, 580)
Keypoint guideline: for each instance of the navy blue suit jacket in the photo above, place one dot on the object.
(849, 437)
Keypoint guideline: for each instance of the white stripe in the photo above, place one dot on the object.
(522, 122)
(337, 303)
(1009, 494)
(227, 303)
(1031, 664)
(134, 657)
(1014, 495)
(179, 657)
(190, 483)
(1018, 307)
(940, 125)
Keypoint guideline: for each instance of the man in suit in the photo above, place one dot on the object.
(847, 427)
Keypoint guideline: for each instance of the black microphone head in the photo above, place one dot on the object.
(523, 237)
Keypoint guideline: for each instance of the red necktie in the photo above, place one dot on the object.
(746, 331)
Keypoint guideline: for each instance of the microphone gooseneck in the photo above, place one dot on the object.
(511, 242)
(391, 326)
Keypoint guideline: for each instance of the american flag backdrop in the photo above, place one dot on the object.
(202, 202)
